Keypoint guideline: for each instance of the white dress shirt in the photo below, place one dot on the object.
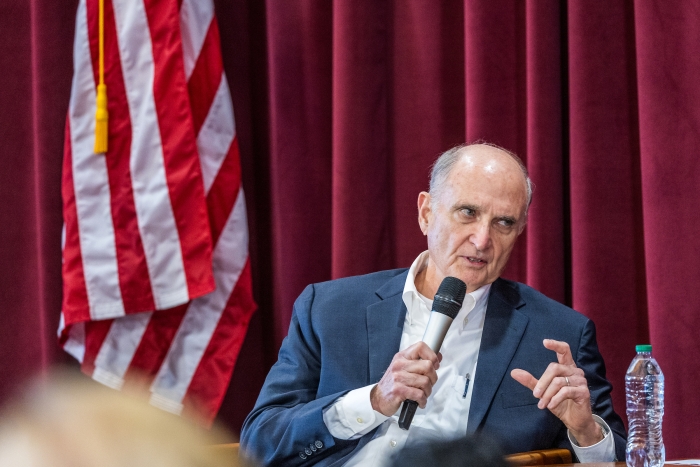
(446, 413)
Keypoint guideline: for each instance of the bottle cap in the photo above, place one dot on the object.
(643, 348)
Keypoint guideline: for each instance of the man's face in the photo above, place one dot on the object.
(475, 217)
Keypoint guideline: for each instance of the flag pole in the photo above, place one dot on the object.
(101, 116)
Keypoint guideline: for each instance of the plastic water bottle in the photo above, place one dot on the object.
(644, 388)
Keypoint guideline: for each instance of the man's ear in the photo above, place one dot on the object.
(424, 211)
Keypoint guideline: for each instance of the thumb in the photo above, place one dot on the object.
(524, 378)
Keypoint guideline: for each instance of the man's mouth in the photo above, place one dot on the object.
(475, 260)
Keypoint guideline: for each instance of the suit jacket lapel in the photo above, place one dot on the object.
(503, 328)
(385, 325)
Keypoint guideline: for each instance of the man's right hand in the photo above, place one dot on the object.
(411, 375)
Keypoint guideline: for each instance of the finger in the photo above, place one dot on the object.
(524, 378)
(412, 380)
(421, 367)
(556, 386)
(561, 382)
(424, 384)
(577, 377)
(420, 350)
(553, 370)
(577, 394)
(418, 396)
(426, 353)
(562, 349)
(414, 387)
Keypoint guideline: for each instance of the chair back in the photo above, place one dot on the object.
(541, 457)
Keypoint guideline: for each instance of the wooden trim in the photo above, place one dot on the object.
(541, 457)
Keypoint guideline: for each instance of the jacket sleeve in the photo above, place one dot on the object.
(286, 425)
(591, 362)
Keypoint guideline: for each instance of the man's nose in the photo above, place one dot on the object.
(481, 237)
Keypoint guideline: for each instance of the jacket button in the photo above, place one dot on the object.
(313, 447)
(302, 455)
(308, 451)
(318, 444)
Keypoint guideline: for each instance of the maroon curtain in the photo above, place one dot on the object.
(342, 106)
(35, 76)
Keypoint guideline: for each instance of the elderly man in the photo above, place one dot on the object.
(353, 353)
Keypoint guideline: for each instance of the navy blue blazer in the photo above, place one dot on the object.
(344, 334)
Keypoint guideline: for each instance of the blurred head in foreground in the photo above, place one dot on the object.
(462, 452)
(65, 422)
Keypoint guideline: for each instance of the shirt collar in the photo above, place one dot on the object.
(410, 292)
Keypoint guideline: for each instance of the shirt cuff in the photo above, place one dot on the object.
(352, 416)
(602, 451)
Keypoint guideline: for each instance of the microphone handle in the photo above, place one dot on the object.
(435, 332)
(408, 410)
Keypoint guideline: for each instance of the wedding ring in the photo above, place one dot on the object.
(567, 380)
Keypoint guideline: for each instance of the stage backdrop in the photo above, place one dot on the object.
(341, 107)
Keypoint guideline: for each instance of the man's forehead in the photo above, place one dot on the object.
(486, 176)
(487, 158)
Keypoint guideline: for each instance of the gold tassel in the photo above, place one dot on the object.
(101, 118)
(101, 115)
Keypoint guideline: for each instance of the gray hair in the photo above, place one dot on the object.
(443, 165)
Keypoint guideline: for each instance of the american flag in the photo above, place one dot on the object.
(157, 283)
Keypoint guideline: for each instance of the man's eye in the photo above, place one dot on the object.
(468, 212)
(506, 222)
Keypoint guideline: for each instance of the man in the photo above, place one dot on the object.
(334, 395)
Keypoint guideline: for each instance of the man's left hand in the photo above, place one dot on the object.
(563, 390)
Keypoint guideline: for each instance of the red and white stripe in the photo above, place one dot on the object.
(184, 350)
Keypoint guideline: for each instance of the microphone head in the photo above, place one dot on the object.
(449, 297)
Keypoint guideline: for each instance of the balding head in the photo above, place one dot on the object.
(479, 152)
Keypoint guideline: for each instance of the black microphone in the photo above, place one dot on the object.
(446, 304)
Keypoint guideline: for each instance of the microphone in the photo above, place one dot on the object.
(446, 304)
